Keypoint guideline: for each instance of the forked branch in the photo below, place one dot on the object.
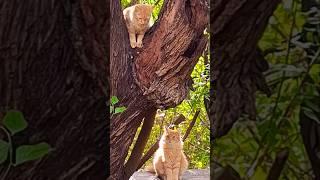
(140, 144)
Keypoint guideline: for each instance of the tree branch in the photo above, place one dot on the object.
(278, 164)
(148, 154)
(223, 173)
(133, 2)
(191, 125)
(179, 119)
(140, 144)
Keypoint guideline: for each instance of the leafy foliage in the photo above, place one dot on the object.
(115, 110)
(26, 153)
(14, 122)
(293, 54)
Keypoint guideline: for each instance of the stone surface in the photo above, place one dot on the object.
(191, 174)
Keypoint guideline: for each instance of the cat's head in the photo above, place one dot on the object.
(171, 136)
(142, 13)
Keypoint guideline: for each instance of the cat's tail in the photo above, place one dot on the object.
(150, 168)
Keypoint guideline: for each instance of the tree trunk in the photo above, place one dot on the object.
(237, 66)
(53, 64)
(156, 76)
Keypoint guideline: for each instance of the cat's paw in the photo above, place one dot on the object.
(139, 44)
(133, 44)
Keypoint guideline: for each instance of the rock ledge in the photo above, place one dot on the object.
(191, 174)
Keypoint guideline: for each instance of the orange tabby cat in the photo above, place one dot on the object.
(169, 160)
(138, 21)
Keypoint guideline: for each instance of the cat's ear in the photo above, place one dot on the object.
(137, 8)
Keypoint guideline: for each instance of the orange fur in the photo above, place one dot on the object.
(138, 21)
(169, 160)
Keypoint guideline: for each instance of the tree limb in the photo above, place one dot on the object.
(140, 144)
(278, 165)
(179, 119)
(133, 2)
(148, 154)
(191, 125)
(225, 173)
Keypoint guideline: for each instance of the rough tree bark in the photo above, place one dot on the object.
(53, 68)
(237, 66)
(156, 76)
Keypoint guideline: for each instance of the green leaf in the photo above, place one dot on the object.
(26, 153)
(14, 121)
(260, 174)
(114, 100)
(119, 110)
(314, 72)
(277, 71)
(4, 149)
